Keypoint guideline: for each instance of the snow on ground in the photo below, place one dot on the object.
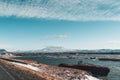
(28, 66)
(87, 77)
(91, 78)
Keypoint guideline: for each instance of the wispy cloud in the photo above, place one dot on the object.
(52, 37)
(61, 36)
(76, 10)
(114, 42)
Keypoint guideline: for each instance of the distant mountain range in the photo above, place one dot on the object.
(48, 50)
(100, 51)
(62, 49)
(55, 49)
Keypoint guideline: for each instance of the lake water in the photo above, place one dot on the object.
(114, 66)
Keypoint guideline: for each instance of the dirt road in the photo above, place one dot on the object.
(4, 74)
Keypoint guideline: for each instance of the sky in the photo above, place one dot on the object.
(78, 24)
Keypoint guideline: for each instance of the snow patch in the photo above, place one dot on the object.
(91, 77)
(27, 66)
(87, 77)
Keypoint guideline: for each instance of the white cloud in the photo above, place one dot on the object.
(114, 42)
(76, 10)
(52, 37)
(61, 36)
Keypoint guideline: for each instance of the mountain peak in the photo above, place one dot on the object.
(55, 49)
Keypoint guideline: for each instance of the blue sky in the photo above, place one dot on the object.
(72, 24)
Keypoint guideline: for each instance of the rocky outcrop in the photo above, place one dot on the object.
(108, 59)
(95, 70)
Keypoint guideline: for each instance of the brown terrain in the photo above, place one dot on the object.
(22, 73)
(46, 72)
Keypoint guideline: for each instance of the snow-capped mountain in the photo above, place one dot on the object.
(55, 49)
(100, 51)
(62, 49)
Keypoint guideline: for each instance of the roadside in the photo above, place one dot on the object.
(31, 70)
(4, 74)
